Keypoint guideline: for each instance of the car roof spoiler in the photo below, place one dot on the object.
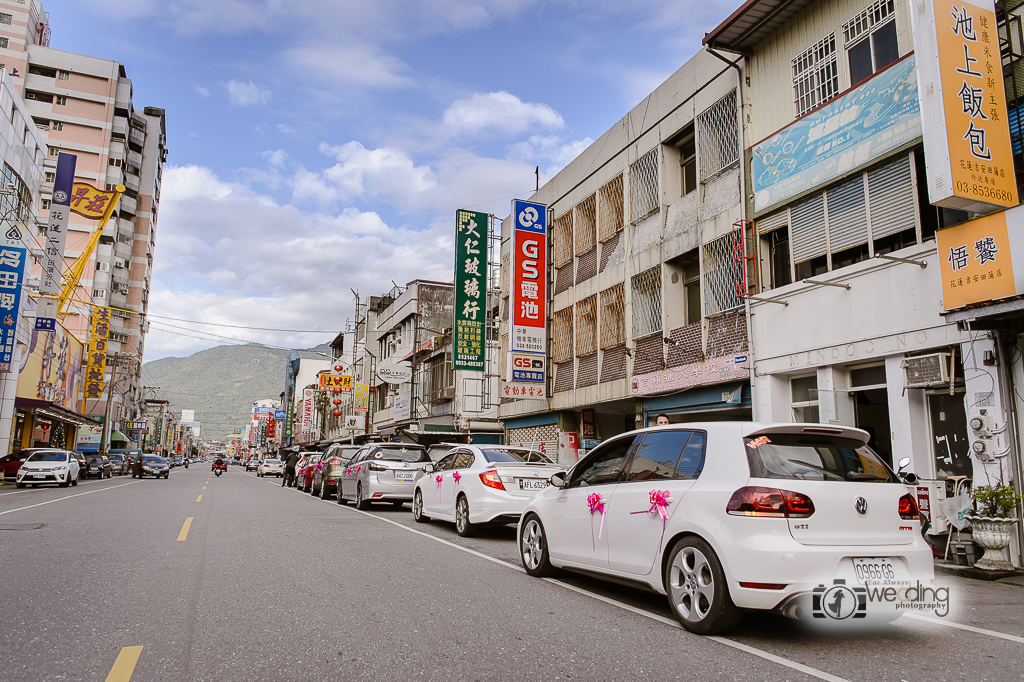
(837, 430)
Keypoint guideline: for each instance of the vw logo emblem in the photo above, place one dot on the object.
(528, 216)
(60, 196)
(861, 505)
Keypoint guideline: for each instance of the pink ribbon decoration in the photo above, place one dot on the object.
(438, 479)
(596, 505)
(457, 476)
(659, 506)
(359, 468)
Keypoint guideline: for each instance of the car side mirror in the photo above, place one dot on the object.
(903, 464)
(557, 479)
(428, 467)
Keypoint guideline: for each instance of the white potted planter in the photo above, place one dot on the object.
(993, 535)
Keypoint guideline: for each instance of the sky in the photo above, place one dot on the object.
(318, 147)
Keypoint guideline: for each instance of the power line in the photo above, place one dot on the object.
(218, 337)
(242, 326)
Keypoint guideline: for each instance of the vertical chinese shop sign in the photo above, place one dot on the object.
(57, 228)
(963, 106)
(470, 290)
(12, 274)
(97, 355)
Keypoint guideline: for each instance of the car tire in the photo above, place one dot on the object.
(19, 485)
(533, 548)
(417, 508)
(341, 500)
(361, 504)
(64, 484)
(324, 495)
(462, 524)
(697, 590)
(74, 482)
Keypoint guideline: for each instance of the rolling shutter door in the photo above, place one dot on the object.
(847, 216)
(807, 226)
(772, 222)
(891, 198)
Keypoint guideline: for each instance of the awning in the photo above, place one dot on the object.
(55, 411)
(117, 435)
(751, 23)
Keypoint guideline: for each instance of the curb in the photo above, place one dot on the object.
(975, 573)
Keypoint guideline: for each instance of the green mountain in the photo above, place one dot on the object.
(221, 383)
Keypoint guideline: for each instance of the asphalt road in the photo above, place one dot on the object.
(123, 579)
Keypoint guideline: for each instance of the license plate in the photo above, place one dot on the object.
(533, 483)
(877, 571)
(38, 475)
(405, 476)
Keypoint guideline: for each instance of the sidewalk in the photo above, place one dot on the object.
(1015, 577)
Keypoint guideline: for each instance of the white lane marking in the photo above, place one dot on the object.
(813, 672)
(961, 626)
(18, 492)
(66, 497)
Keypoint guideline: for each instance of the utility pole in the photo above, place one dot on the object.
(105, 440)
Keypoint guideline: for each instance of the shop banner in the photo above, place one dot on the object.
(966, 127)
(470, 339)
(90, 202)
(57, 229)
(52, 369)
(12, 276)
(327, 382)
(96, 365)
(361, 397)
(307, 411)
(288, 419)
(982, 260)
(403, 407)
(529, 262)
(713, 371)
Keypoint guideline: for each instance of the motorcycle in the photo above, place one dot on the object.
(186, 464)
(218, 472)
(219, 468)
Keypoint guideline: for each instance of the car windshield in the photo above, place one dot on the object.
(816, 458)
(116, 458)
(513, 455)
(153, 460)
(400, 454)
(48, 457)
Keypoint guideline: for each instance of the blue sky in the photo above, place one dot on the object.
(320, 146)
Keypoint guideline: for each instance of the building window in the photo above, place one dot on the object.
(37, 260)
(585, 227)
(718, 137)
(99, 293)
(610, 217)
(643, 186)
(561, 330)
(64, 75)
(804, 394)
(115, 162)
(870, 40)
(815, 75)
(41, 230)
(586, 326)
(691, 287)
(103, 267)
(613, 316)
(6, 18)
(49, 177)
(57, 125)
(4, 42)
(647, 303)
(44, 71)
(60, 100)
(52, 151)
(776, 246)
(719, 264)
(44, 204)
(688, 161)
(561, 240)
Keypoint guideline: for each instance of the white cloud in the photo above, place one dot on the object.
(247, 94)
(352, 64)
(500, 112)
(285, 128)
(202, 91)
(276, 158)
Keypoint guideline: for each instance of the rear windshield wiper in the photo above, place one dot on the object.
(821, 469)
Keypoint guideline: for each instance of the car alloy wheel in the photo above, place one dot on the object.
(324, 495)
(533, 548)
(697, 591)
(462, 524)
(360, 502)
(417, 507)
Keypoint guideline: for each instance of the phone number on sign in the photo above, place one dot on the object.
(982, 191)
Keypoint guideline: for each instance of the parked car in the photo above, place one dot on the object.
(49, 466)
(304, 470)
(130, 454)
(383, 472)
(271, 466)
(97, 466)
(773, 512)
(120, 464)
(154, 466)
(81, 460)
(252, 464)
(10, 464)
(486, 484)
(439, 450)
(328, 472)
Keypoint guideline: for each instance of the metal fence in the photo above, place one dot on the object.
(717, 137)
(609, 209)
(561, 240)
(719, 273)
(647, 302)
(586, 224)
(562, 331)
(586, 326)
(643, 186)
(613, 316)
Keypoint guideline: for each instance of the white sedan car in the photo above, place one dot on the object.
(48, 466)
(481, 484)
(735, 515)
(270, 467)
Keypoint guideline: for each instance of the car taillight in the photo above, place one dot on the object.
(771, 502)
(908, 508)
(491, 480)
(373, 466)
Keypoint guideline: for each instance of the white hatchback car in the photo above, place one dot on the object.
(481, 484)
(727, 516)
(270, 467)
(49, 466)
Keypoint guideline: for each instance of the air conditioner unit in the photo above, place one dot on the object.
(922, 371)
(352, 421)
(449, 392)
(103, 267)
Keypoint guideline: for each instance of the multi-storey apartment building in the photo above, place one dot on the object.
(648, 250)
(82, 105)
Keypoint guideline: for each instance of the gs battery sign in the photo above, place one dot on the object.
(527, 368)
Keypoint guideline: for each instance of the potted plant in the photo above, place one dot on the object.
(992, 524)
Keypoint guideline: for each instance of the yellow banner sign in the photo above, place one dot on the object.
(975, 261)
(90, 202)
(329, 381)
(361, 397)
(97, 357)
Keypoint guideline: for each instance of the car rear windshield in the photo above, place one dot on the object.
(271, 461)
(513, 455)
(154, 460)
(815, 458)
(402, 455)
(116, 458)
(48, 457)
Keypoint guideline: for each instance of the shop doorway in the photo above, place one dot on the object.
(871, 410)
(950, 446)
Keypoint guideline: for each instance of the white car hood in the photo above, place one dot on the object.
(42, 466)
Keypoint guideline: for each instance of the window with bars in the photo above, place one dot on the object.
(586, 224)
(643, 186)
(719, 265)
(586, 326)
(561, 240)
(613, 316)
(867, 20)
(815, 75)
(717, 136)
(610, 218)
(562, 331)
(441, 382)
(647, 302)
(870, 40)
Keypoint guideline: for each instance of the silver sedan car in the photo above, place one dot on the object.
(383, 472)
